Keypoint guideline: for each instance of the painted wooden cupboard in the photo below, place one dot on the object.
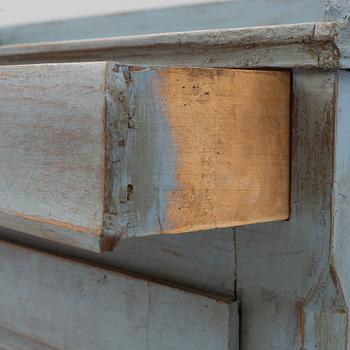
(168, 185)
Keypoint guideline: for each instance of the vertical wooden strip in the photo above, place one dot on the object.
(283, 268)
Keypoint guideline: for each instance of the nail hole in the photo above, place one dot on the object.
(130, 191)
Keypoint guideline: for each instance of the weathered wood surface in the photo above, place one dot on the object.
(296, 45)
(336, 9)
(201, 260)
(340, 241)
(226, 14)
(95, 152)
(52, 151)
(293, 277)
(52, 303)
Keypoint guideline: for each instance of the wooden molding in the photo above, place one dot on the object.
(316, 44)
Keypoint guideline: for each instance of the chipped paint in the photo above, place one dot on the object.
(297, 45)
(150, 155)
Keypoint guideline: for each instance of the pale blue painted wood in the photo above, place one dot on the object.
(202, 260)
(336, 9)
(286, 281)
(294, 277)
(341, 197)
(316, 44)
(226, 14)
(58, 303)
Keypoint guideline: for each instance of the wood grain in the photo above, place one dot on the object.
(47, 302)
(52, 150)
(231, 128)
(96, 152)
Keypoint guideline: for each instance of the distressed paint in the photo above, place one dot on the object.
(282, 268)
(341, 191)
(56, 303)
(52, 153)
(151, 155)
(120, 140)
(211, 123)
(293, 276)
(336, 9)
(282, 46)
(201, 260)
(178, 154)
(226, 14)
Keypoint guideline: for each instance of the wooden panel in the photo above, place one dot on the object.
(52, 152)
(225, 14)
(92, 152)
(47, 302)
(202, 260)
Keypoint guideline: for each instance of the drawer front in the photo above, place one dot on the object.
(48, 302)
(94, 152)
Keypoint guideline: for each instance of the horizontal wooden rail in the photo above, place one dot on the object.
(94, 152)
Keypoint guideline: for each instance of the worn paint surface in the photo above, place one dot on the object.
(187, 155)
(291, 276)
(52, 151)
(201, 260)
(297, 45)
(232, 163)
(340, 244)
(335, 9)
(55, 303)
(103, 151)
(150, 164)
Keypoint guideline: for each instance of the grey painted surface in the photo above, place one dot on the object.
(75, 137)
(202, 260)
(38, 120)
(52, 154)
(149, 159)
(340, 254)
(283, 46)
(335, 9)
(292, 277)
(11, 340)
(62, 304)
(228, 14)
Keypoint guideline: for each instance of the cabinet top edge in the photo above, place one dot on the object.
(316, 44)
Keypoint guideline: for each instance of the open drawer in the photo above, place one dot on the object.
(94, 152)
